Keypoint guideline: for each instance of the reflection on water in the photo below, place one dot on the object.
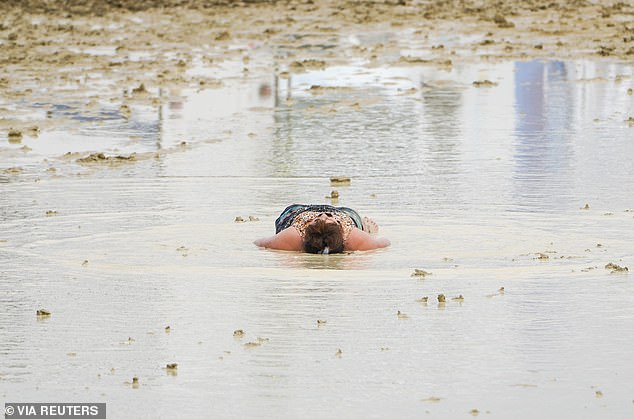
(441, 110)
(347, 261)
(481, 186)
(544, 131)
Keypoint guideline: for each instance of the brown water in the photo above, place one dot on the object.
(481, 186)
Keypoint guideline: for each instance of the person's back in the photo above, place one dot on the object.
(322, 229)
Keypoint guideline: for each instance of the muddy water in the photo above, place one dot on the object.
(485, 186)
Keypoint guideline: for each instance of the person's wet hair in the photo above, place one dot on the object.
(323, 237)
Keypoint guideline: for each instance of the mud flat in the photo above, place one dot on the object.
(153, 43)
(126, 53)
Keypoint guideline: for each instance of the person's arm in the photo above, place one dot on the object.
(287, 239)
(360, 240)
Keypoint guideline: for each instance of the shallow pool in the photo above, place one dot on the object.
(514, 192)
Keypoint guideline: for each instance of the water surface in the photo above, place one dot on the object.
(484, 187)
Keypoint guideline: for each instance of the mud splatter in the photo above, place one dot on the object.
(420, 273)
(616, 268)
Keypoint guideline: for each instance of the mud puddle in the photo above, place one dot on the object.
(509, 182)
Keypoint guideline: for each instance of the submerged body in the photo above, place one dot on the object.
(322, 229)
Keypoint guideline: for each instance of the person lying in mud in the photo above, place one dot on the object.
(323, 229)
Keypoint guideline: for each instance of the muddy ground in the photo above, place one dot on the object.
(49, 42)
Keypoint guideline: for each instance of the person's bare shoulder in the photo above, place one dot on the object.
(287, 239)
(360, 240)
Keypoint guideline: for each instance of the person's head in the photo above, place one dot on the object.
(323, 235)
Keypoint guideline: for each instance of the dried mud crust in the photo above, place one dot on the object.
(43, 31)
(608, 23)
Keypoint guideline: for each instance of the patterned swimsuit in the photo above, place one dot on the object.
(300, 215)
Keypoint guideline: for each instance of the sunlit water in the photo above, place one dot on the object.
(484, 187)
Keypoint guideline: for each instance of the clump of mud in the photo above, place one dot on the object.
(616, 268)
(484, 83)
(401, 315)
(43, 313)
(256, 343)
(15, 136)
(420, 273)
(102, 158)
(339, 180)
(502, 22)
(308, 64)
